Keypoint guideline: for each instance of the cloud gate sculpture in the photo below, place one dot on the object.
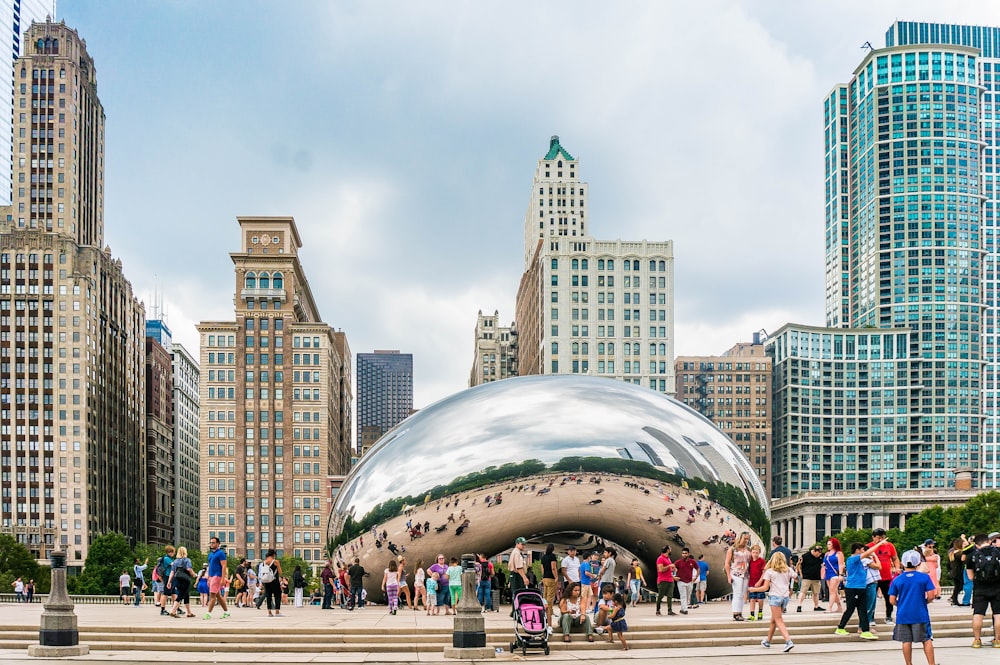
(562, 459)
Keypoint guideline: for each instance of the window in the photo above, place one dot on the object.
(250, 281)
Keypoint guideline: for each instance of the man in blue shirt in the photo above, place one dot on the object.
(910, 592)
(702, 578)
(216, 577)
(855, 591)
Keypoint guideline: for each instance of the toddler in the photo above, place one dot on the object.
(618, 624)
(432, 589)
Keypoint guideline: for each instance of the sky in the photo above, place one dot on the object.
(403, 137)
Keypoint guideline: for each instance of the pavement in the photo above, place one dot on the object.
(953, 650)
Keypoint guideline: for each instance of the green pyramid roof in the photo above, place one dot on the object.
(555, 150)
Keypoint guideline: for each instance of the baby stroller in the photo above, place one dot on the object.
(530, 630)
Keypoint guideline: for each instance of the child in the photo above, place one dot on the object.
(756, 569)
(605, 608)
(618, 625)
(777, 582)
(910, 592)
(454, 582)
(390, 585)
(432, 589)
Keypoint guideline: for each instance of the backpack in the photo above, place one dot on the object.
(265, 574)
(160, 571)
(987, 565)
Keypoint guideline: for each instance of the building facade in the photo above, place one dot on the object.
(986, 40)
(603, 307)
(72, 356)
(903, 249)
(187, 451)
(271, 390)
(385, 390)
(496, 350)
(733, 391)
(16, 16)
(847, 413)
(160, 465)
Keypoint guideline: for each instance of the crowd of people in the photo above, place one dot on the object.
(852, 579)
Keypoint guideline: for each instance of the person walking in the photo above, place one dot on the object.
(179, 579)
(833, 573)
(635, 582)
(889, 560)
(299, 584)
(269, 574)
(811, 566)
(855, 583)
(983, 569)
(326, 578)
(737, 569)
(140, 579)
(664, 580)
(687, 577)
(19, 589)
(776, 581)
(216, 575)
(910, 593)
(390, 585)
(404, 584)
(419, 585)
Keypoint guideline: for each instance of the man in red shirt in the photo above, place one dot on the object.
(665, 580)
(687, 576)
(889, 560)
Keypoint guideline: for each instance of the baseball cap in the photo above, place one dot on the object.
(520, 540)
(995, 534)
(930, 541)
(910, 559)
(878, 532)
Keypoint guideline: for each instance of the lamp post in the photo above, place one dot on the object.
(58, 635)
(468, 639)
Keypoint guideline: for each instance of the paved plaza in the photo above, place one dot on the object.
(375, 621)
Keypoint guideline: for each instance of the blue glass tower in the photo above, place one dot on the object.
(385, 390)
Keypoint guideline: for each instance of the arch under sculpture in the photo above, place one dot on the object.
(573, 459)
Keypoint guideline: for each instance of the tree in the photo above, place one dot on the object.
(15, 561)
(107, 557)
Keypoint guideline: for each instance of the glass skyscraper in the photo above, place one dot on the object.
(15, 19)
(904, 150)
(986, 41)
(385, 390)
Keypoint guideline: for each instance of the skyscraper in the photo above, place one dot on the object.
(187, 469)
(72, 377)
(986, 41)
(273, 404)
(588, 306)
(385, 390)
(15, 18)
(160, 466)
(903, 201)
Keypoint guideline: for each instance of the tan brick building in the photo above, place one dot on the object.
(275, 404)
(733, 391)
(72, 374)
(496, 350)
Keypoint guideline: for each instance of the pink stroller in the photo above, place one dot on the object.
(530, 630)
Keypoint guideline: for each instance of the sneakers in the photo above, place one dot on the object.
(789, 645)
(207, 616)
(840, 631)
(889, 621)
(977, 644)
(869, 636)
(798, 609)
(819, 609)
(760, 616)
(764, 643)
(599, 630)
(684, 611)
(225, 615)
(752, 617)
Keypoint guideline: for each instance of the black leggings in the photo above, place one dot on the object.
(272, 590)
(181, 587)
(883, 586)
(856, 599)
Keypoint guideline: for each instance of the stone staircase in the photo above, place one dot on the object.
(196, 636)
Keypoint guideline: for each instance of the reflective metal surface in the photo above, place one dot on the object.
(652, 454)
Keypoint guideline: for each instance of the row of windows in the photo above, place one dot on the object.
(609, 264)
(264, 280)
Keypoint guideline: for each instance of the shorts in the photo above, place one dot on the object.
(157, 587)
(911, 632)
(432, 599)
(215, 584)
(778, 601)
(812, 585)
(702, 585)
(758, 595)
(585, 591)
(983, 598)
(549, 590)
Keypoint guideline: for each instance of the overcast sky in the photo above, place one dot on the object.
(403, 136)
